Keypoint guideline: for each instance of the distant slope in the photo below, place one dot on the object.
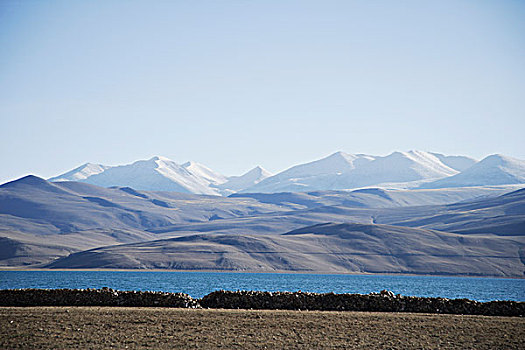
(429, 251)
(320, 248)
(302, 209)
(14, 252)
(376, 197)
(502, 215)
(492, 170)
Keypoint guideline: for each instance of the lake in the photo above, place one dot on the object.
(198, 284)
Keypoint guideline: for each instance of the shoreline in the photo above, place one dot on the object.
(29, 269)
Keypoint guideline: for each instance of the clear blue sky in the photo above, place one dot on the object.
(235, 84)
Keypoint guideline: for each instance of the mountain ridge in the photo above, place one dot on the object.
(337, 171)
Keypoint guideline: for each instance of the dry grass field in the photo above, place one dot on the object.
(164, 328)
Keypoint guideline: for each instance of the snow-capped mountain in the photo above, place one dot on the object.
(345, 171)
(238, 183)
(81, 173)
(339, 171)
(319, 174)
(496, 169)
(401, 167)
(155, 174)
(163, 174)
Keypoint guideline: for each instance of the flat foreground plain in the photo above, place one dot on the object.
(121, 327)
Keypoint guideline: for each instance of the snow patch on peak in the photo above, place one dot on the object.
(405, 166)
(205, 173)
(238, 183)
(495, 169)
(260, 171)
(429, 161)
(81, 173)
(338, 162)
(514, 168)
(345, 156)
(160, 158)
(499, 160)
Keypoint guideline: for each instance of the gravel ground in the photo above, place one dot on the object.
(122, 327)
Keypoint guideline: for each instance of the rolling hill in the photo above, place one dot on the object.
(74, 224)
(359, 248)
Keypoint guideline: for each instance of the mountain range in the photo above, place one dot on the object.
(339, 171)
(476, 230)
(408, 212)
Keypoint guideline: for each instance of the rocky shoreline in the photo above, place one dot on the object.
(385, 301)
(93, 297)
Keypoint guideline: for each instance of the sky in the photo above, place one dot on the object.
(234, 84)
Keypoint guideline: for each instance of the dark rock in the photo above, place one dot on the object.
(384, 301)
(92, 297)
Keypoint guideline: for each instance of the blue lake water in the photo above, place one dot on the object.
(198, 284)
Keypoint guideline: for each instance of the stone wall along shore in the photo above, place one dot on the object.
(385, 301)
(93, 297)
